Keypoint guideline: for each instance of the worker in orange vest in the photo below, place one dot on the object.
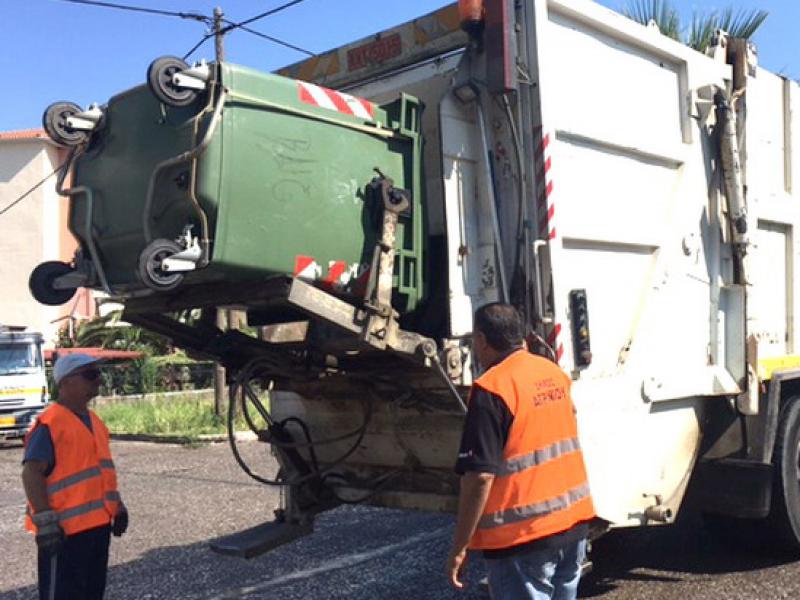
(524, 497)
(71, 486)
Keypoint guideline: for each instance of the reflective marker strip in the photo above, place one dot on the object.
(534, 459)
(113, 496)
(81, 509)
(534, 511)
(107, 463)
(333, 100)
(72, 480)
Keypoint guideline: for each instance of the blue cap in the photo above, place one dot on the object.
(69, 363)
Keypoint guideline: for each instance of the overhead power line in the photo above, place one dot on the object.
(202, 41)
(152, 11)
(272, 39)
(11, 205)
(277, 9)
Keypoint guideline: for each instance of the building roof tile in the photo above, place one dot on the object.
(23, 134)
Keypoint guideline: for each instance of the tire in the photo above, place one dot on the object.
(41, 283)
(150, 266)
(159, 80)
(779, 532)
(784, 517)
(54, 122)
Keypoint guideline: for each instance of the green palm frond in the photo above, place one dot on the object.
(661, 12)
(742, 23)
(699, 34)
(701, 31)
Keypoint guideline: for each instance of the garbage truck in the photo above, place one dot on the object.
(23, 383)
(634, 198)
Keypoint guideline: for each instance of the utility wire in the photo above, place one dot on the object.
(33, 189)
(204, 19)
(152, 11)
(274, 40)
(204, 39)
(262, 15)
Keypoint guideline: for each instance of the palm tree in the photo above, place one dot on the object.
(700, 33)
(108, 332)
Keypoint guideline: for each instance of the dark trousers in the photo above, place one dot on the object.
(80, 567)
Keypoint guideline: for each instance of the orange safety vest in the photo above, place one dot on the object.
(82, 488)
(542, 488)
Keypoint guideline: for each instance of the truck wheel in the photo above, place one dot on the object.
(784, 517)
(41, 283)
(159, 79)
(779, 532)
(55, 125)
(150, 270)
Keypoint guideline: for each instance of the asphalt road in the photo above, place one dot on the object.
(181, 497)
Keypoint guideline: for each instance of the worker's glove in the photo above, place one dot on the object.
(120, 525)
(49, 535)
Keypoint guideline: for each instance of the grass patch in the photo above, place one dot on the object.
(184, 416)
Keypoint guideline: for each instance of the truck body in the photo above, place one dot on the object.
(635, 198)
(23, 383)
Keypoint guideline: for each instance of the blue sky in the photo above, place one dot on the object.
(51, 50)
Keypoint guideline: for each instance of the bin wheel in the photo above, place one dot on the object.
(150, 266)
(41, 283)
(159, 79)
(55, 125)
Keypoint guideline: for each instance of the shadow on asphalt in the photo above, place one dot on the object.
(359, 553)
(14, 444)
(667, 554)
(363, 553)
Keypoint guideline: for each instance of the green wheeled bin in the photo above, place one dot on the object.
(219, 172)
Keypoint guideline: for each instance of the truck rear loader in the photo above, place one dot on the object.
(635, 198)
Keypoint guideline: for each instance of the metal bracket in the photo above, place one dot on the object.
(86, 120)
(195, 78)
(187, 259)
(382, 329)
(378, 331)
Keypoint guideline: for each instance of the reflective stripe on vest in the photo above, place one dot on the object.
(541, 487)
(538, 457)
(81, 509)
(533, 511)
(73, 480)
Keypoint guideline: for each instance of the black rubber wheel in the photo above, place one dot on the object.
(41, 283)
(55, 125)
(150, 266)
(779, 532)
(159, 79)
(784, 516)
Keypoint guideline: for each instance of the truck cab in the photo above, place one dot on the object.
(23, 384)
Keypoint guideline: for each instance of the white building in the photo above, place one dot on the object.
(32, 231)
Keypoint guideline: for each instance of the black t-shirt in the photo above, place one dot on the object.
(483, 441)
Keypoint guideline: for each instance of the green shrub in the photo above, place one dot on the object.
(178, 415)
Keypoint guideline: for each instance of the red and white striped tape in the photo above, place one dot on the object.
(339, 277)
(332, 100)
(544, 184)
(547, 212)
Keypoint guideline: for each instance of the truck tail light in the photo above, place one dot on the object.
(471, 13)
(580, 327)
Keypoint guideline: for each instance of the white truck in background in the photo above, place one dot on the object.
(23, 383)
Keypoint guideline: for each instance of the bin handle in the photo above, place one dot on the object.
(89, 235)
(184, 157)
